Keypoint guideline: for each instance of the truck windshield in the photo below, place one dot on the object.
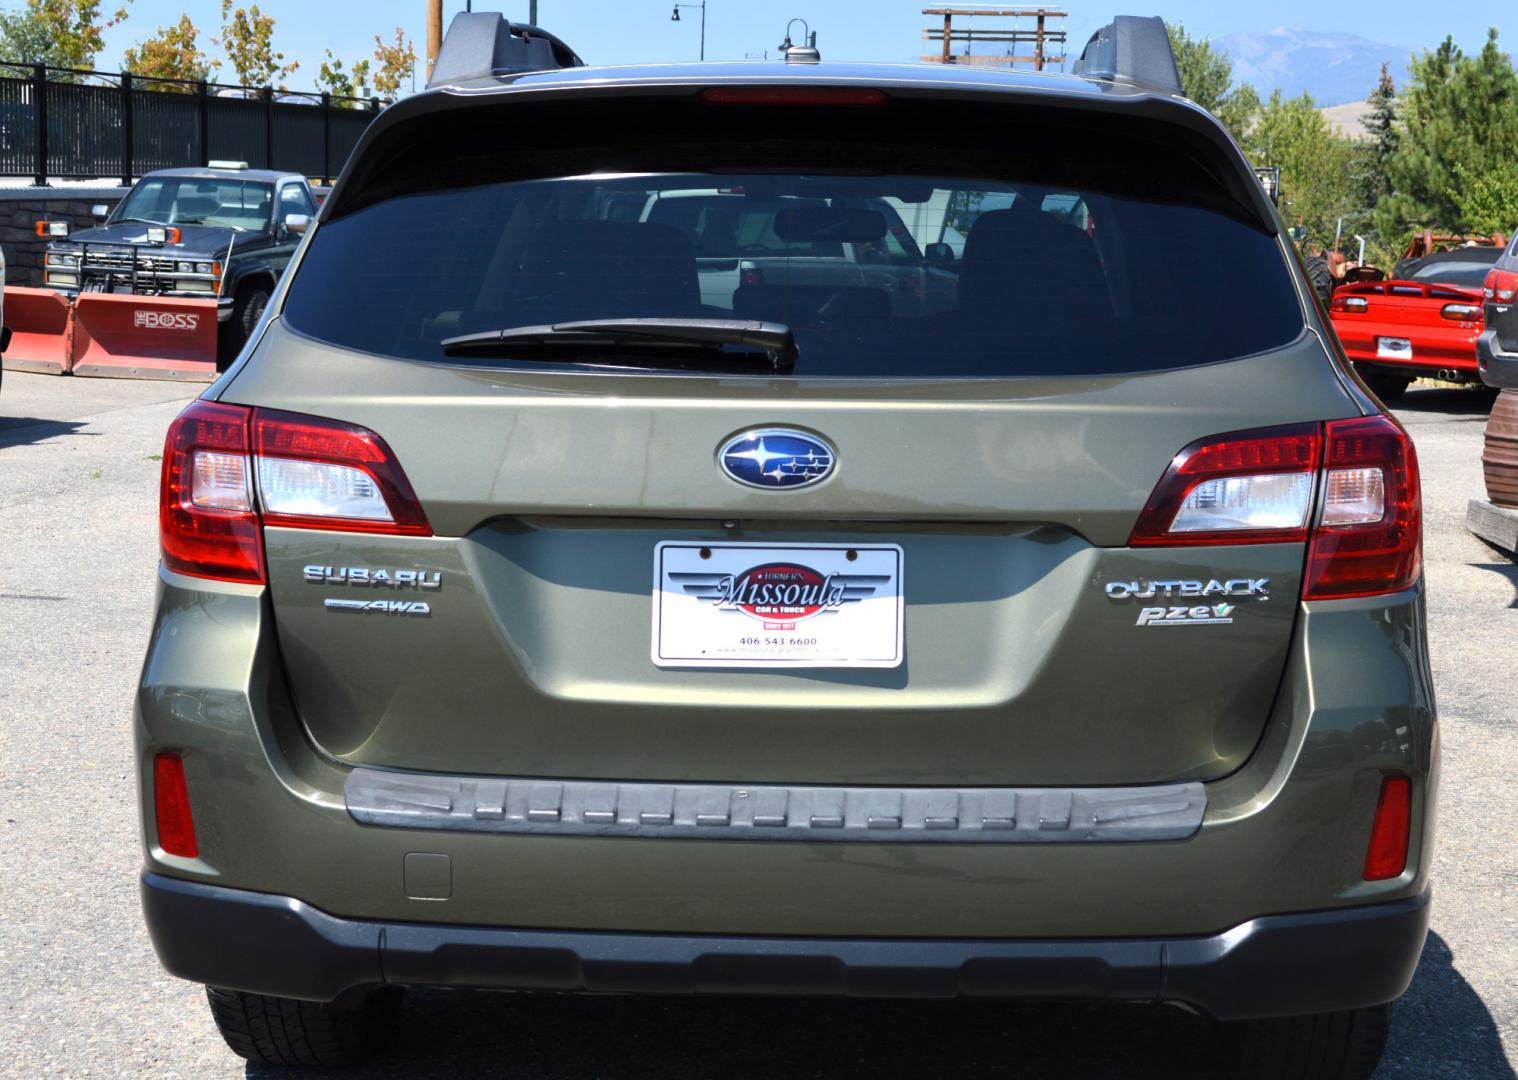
(888, 254)
(188, 200)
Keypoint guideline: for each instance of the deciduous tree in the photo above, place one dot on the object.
(62, 33)
(172, 53)
(340, 82)
(247, 35)
(395, 63)
(1319, 168)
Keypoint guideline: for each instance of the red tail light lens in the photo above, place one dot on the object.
(1370, 465)
(307, 473)
(1501, 286)
(207, 527)
(315, 473)
(171, 804)
(1252, 487)
(1386, 854)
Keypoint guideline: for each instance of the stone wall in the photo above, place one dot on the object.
(22, 208)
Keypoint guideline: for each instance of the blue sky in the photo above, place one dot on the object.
(635, 31)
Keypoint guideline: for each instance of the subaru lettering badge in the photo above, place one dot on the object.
(776, 458)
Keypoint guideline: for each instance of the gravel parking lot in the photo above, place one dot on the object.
(82, 995)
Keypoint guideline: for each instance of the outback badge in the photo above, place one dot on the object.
(1217, 612)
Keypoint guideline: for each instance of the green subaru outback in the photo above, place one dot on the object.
(551, 601)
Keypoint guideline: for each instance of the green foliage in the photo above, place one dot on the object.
(247, 35)
(395, 63)
(1487, 201)
(1321, 171)
(171, 53)
(1207, 77)
(1459, 112)
(343, 83)
(61, 33)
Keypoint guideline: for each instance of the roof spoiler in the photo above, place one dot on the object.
(1132, 49)
(481, 44)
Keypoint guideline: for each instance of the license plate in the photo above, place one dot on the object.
(777, 605)
(1394, 348)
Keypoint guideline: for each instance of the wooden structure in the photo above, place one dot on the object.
(1014, 39)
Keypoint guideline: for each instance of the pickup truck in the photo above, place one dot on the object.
(222, 232)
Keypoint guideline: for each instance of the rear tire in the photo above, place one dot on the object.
(284, 1031)
(1325, 1046)
(1319, 277)
(1386, 385)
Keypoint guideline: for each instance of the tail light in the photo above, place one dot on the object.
(1460, 312)
(1256, 487)
(229, 470)
(171, 805)
(792, 95)
(1501, 286)
(1369, 537)
(1350, 303)
(1386, 854)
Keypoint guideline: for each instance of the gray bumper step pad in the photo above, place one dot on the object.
(776, 813)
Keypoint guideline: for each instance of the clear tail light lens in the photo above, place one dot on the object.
(1256, 487)
(315, 473)
(1249, 487)
(229, 470)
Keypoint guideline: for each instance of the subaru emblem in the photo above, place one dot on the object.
(776, 458)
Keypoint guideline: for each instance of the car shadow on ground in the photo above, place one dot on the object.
(1451, 401)
(1442, 1029)
(1507, 570)
(21, 430)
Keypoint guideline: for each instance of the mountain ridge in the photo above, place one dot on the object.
(1333, 66)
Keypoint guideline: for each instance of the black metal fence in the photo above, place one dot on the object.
(65, 124)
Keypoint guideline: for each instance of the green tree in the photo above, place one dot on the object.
(171, 53)
(1207, 77)
(1458, 111)
(61, 33)
(1381, 125)
(343, 83)
(247, 35)
(1488, 201)
(1320, 169)
(396, 63)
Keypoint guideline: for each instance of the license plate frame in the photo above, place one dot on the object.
(711, 611)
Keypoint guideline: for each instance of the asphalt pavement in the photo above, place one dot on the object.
(81, 994)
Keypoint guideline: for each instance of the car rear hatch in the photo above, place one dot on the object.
(950, 500)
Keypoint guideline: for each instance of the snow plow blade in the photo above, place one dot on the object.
(41, 329)
(144, 337)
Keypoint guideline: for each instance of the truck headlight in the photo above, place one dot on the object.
(70, 280)
(184, 268)
(193, 285)
(205, 268)
(59, 259)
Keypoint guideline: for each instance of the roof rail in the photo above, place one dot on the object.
(1132, 49)
(482, 43)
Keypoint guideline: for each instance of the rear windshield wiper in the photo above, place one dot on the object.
(700, 343)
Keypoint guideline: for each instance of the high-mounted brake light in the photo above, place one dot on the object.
(1369, 537)
(1251, 487)
(1386, 854)
(171, 805)
(228, 470)
(792, 95)
(1256, 487)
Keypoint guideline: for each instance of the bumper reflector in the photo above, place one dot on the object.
(1386, 855)
(171, 799)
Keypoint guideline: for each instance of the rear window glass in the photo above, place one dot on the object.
(909, 239)
(1470, 271)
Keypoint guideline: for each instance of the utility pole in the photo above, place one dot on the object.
(434, 32)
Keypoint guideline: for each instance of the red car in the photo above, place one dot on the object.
(1421, 324)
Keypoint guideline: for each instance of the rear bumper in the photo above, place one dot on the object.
(1498, 369)
(1279, 964)
(1433, 349)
